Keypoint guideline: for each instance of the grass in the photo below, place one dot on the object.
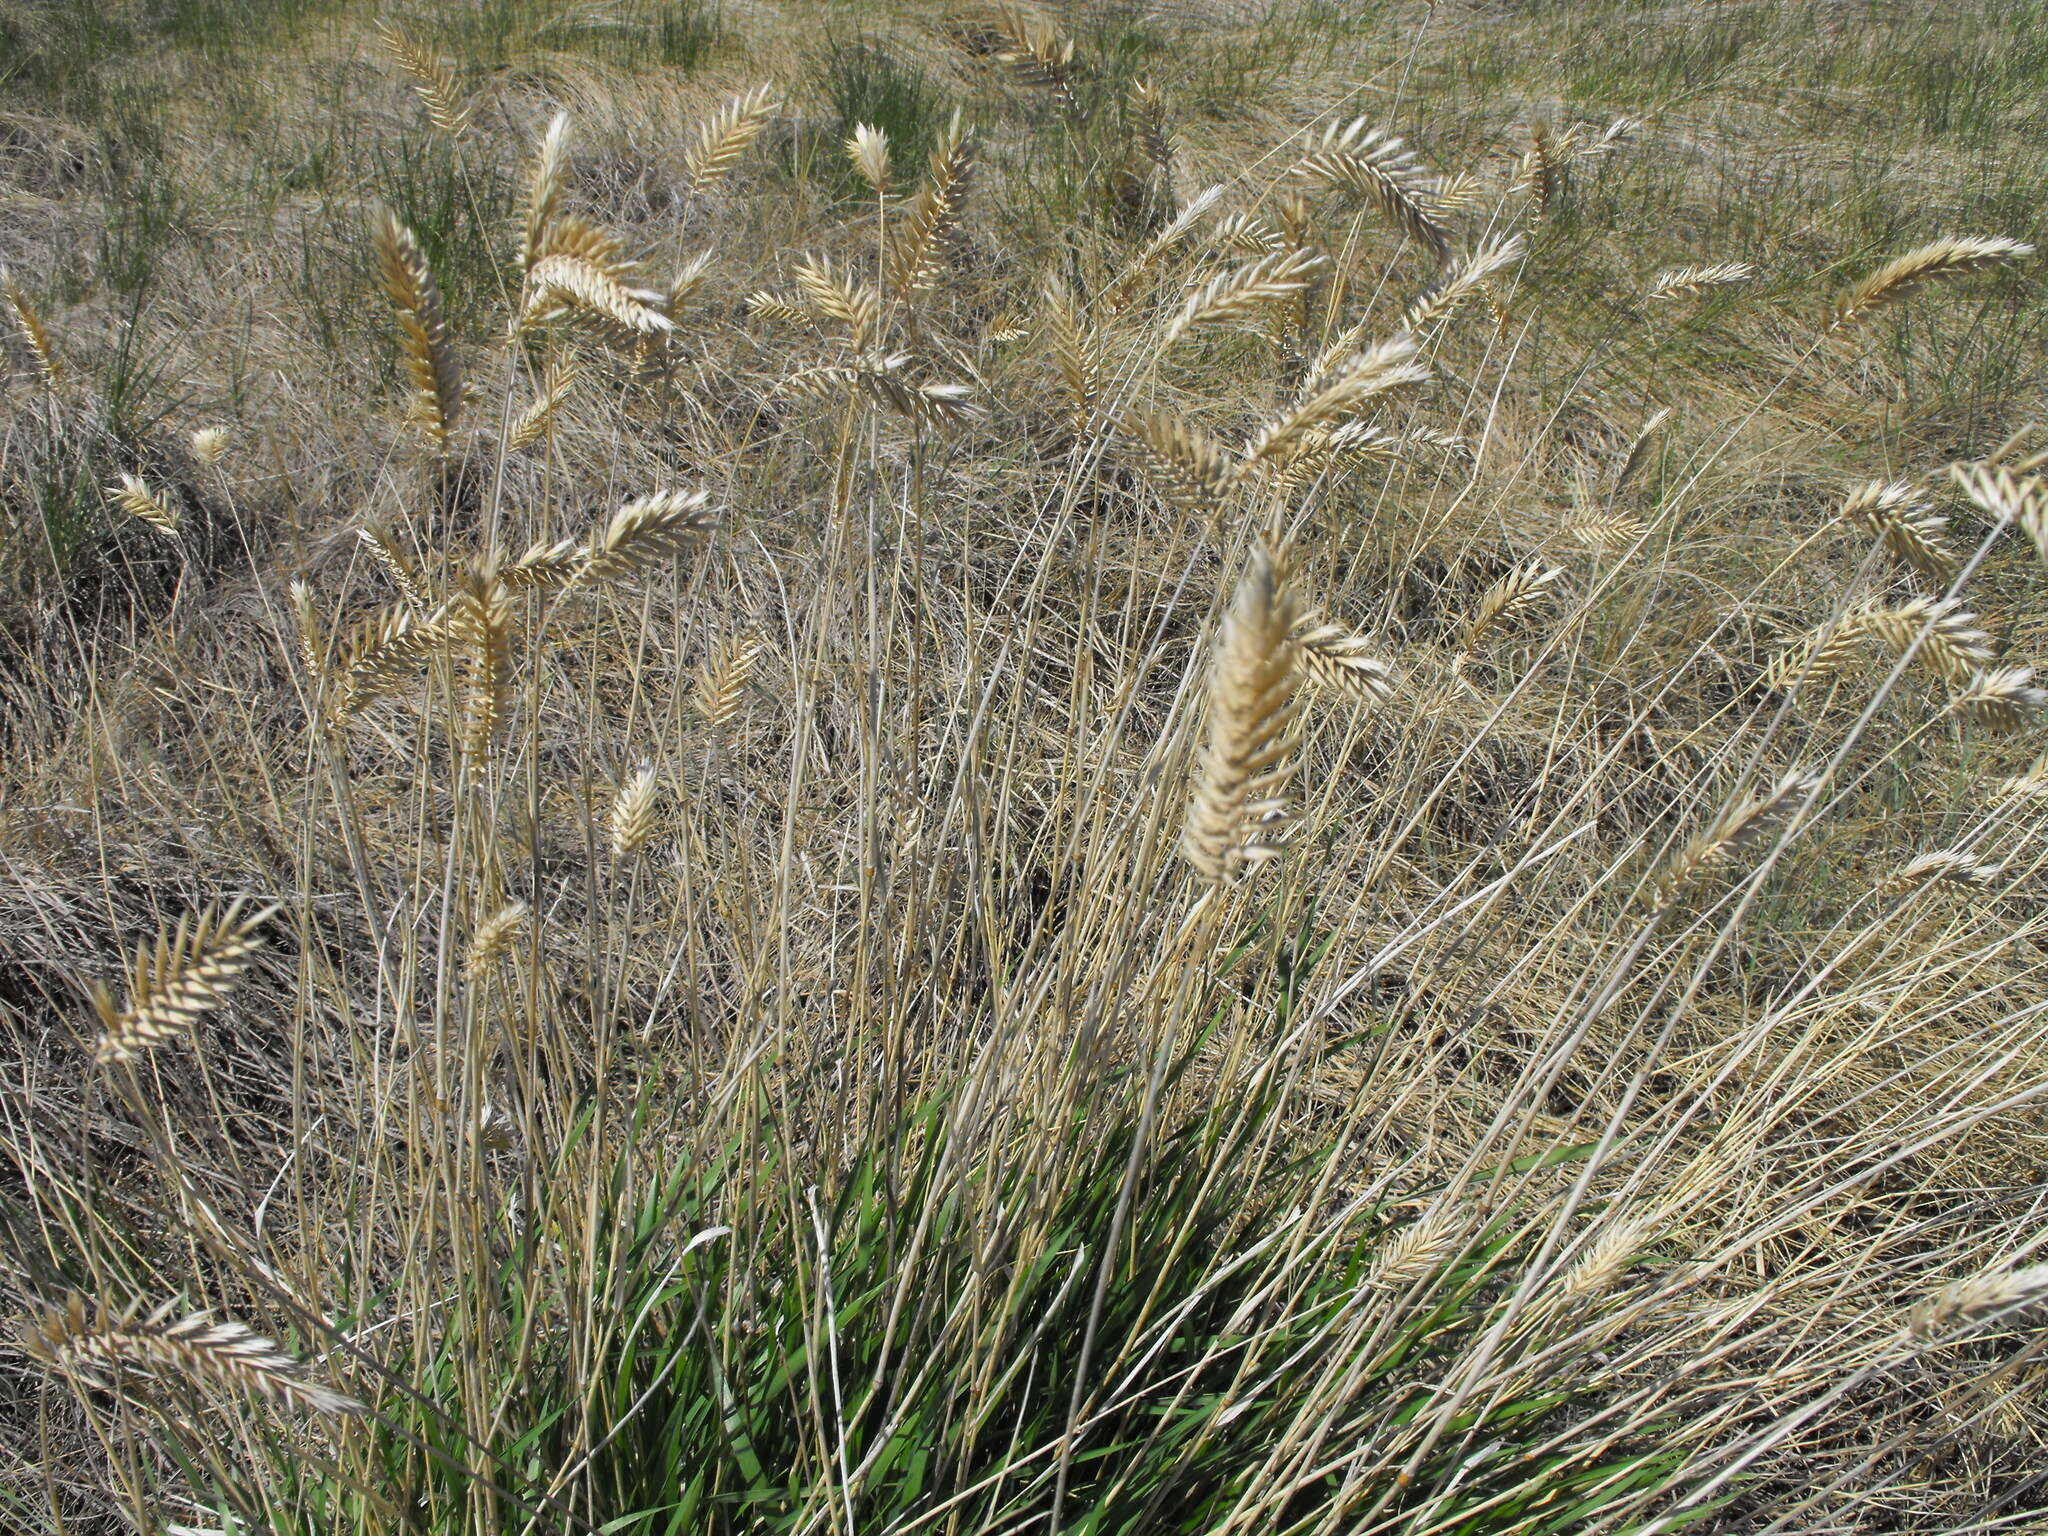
(1037, 850)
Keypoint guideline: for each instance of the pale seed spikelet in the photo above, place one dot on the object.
(28, 325)
(1252, 710)
(868, 149)
(777, 310)
(840, 298)
(384, 652)
(544, 565)
(394, 565)
(722, 681)
(1381, 169)
(918, 253)
(225, 1353)
(1155, 137)
(1542, 170)
(2002, 699)
(832, 383)
(545, 184)
(1911, 529)
(1731, 832)
(1685, 282)
(645, 531)
(1123, 289)
(1514, 595)
(884, 381)
(1632, 459)
(1950, 643)
(307, 624)
(1949, 867)
(1246, 293)
(210, 444)
(1333, 658)
(727, 135)
(429, 354)
(1245, 233)
(1342, 392)
(562, 280)
(1035, 50)
(689, 281)
(134, 497)
(633, 817)
(1820, 653)
(531, 424)
(493, 937)
(1606, 1259)
(1619, 531)
(1190, 468)
(2031, 785)
(432, 81)
(1466, 277)
(478, 626)
(1419, 1249)
(573, 235)
(1957, 256)
(186, 974)
(1966, 1302)
(1076, 350)
(2009, 495)
(1321, 449)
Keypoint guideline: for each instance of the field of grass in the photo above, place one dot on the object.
(780, 766)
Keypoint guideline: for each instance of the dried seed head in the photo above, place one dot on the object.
(1189, 467)
(1684, 282)
(868, 149)
(633, 813)
(918, 253)
(1252, 710)
(394, 565)
(494, 936)
(2008, 494)
(1248, 293)
(532, 423)
(1944, 259)
(1950, 643)
(1974, 1300)
(1419, 1249)
(1949, 867)
(1465, 278)
(578, 284)
(28, 325)
(1381, 169)
(210, 444)
(545, 184)
(1907, 522)
(727, 135)
(423, 339)
(432, 81)
(644, 532)
(187, 974)
(138, 500)
(1818, 654)
(307, 623)
(1734, 830)
(2002, 699)
(1333, 658)
(722, 682)
(227, 1353)
(1514, 595)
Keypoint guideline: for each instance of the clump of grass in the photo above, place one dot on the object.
(865, 81)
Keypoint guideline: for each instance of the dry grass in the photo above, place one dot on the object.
(1065, 805)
